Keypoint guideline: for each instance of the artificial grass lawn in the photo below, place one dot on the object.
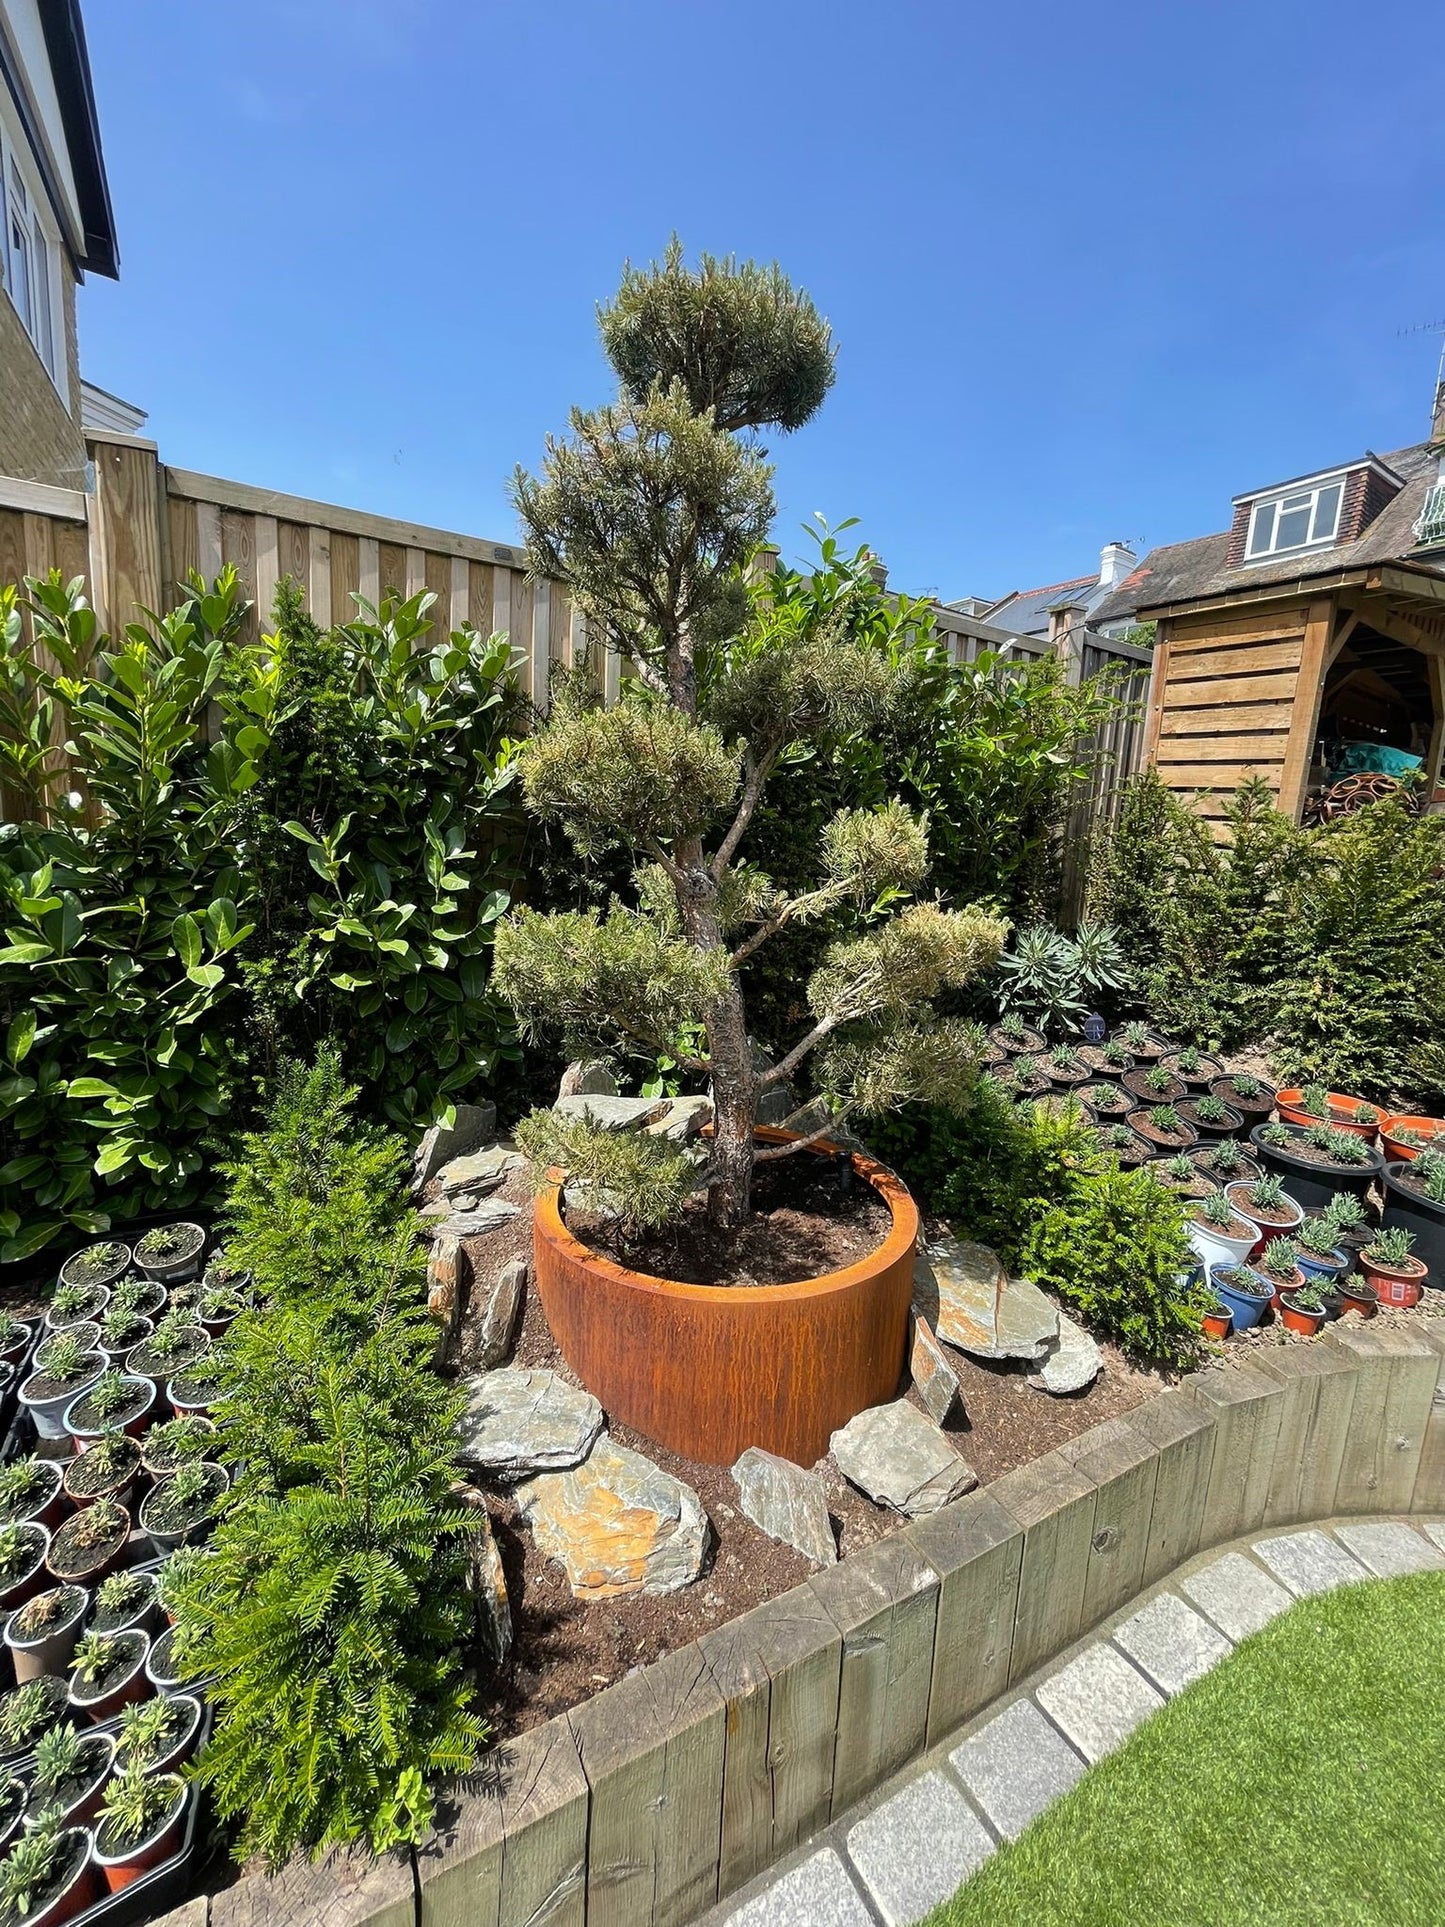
(1302, 1780)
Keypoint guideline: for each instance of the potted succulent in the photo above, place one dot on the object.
(198, 1387)
(1154, 1084)
(1218, 1319)
(23, 1547)
(171, 1252)
(64, 1368)
(121, 1331)
(98, 1264)
(87, 1546)
(1163, 1127)
(117, 1401)
(1309, 1104)
(1350, 1220)
(1265, 1203)
(30, 1489)
(1125, 1145)
(71, 1767)
(105, 1469)
(180, 1440)
(75, 1305)
(1109, 1059)
(1142, 1043)
(176, 1342)
(41, 1635)
(1317, 1161)
(107, 1670)
(137, 1293)
(158, 1733)
(182, 1506)
(1013, 1035)
(1244, 1294)
(1389, 1267)
(1403, 1136)
(1278, 1265)
(46, 1878)
(1065, 1067)
(1359, 1295)
(15, 1336)
(1319, 1254)
(29, 1711)
(1106, 1100)
(1210, 1116)
(1243, 1091)
(1224, 1161)
(1415, 1198)
(1218, 1233)
(1196, 1067)
(140, 1824)
(1302, 1309)
(126, 1599)
(1179, 1175)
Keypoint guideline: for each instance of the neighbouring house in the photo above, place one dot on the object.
(57, 227)
(1305, 643)
(1036, 612)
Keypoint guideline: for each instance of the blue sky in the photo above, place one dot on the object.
(1091, 270)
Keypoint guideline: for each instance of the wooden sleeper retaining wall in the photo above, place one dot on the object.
(675, 1786)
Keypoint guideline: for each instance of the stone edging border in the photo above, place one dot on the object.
(673, 1788)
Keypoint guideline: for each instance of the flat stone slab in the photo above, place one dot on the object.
(787, 1502)
(482, 1170)
(489, 1215)
(1437, 1533)
(613, 1113)
(1390, 1550)
(963, 1291)
(934, 1379)
(1016, 1766)
(617, 1524)
(1072, 1360)
(471, 1126)
(918, 1848)
(683, 1119)
(1097, 1700)
(501, 1304)
(1237, 1596)
(816, 1894)
(1308, 1562)
(520, 1422)
(1171, 1643)
(898, 1456)
(589, 1077)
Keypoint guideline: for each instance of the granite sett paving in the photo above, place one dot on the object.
(918, 1848)
(1309, 1562)
(1390, 1549)
(1237, 1596)
(1097, 1700)
(1016, 1766)
(1170, 1643)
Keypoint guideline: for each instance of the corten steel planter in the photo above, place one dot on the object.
(709, 1370)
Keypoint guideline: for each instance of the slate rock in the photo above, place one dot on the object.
(486, 1580)
(480, 1171)
(502, 1304)
(617, 1524)
(1071, 1361)
(683, 1119)
(519, 1422)
(613, 1113)
(787, 1503)
(448, 1273)
(971, 1302)
(489, 1214)
(934, 1379)
(471, 1127)
(898, 1456)
(591, 1076)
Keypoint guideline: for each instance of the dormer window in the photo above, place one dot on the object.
(1305, 518)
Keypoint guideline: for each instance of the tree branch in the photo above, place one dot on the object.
(827, 1130)
(756, 779)
(811, 899)
(800, 1050)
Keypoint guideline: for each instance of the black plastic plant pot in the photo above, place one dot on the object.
(1210, 1132)
(1310, 1184)
(1421, 1216)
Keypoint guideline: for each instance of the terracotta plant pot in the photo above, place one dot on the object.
(100, 1700)
(1399, 1285)
(1359, 1296)
(1392, 1122)
(1297, 1319)
(1342, 1112)
(1218, 1324)
(709, 1371)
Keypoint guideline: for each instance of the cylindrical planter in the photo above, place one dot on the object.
(1216, 1246)
(43, 1499)
(1167, 1142)
(1398, 1285)
(117, 1348)
(47, 1404)
(1106, 1101)
(1101, 1064)
(1271, 1224)
(29, 1577)
(1256, 1105)
(139, 1293)
(180, 1265)
(78, 1803)
(1218, 1324)
(87, 1480)
(1342, 1112)
(86, 1426)
(127, 1599)
(1246, 1308)
(1321, 1269)
(1207, 1128)
(1203, 1158)
(709, 1371)
(1031, 1042)
(81, 1269)
(145, 1361)
(1136, 1083)
(1145, 1044)
(121, 1865)
(83, 1551)
(128, 1682)
(159, 1453)
(1312, 1184)
(1296, 1318)
(1407, 1207)
(48, 1651)
(1398, 1151)
(1359, 1296)
(166, 1537)
(90, 1303)
(1203, 1073)
(79, 1886)
(161, 1668)
(185, 1713)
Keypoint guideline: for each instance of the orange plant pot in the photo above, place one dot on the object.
(1398, 1285)
(707, 1370)
(1218, 1324)
(1393, 1121)
(1342, 1108)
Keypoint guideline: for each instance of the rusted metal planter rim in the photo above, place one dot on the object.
(898, 1243)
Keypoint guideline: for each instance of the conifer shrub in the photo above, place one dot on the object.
(331, 1604)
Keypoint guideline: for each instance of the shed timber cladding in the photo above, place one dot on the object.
(1225, 699)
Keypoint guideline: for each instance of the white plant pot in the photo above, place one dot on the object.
(1212, 1248)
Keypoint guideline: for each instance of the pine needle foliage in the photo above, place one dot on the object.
(332, 1607)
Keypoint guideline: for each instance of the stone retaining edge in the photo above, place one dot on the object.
(673, 1787)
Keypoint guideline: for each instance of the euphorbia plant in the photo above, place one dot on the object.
(652, 515)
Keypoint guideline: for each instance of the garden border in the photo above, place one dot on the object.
(667, 1791)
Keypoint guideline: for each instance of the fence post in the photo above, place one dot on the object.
(127, 540)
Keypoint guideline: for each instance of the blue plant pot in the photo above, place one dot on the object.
(1330, 1268)
(1244, 1307)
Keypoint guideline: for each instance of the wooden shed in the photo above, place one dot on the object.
(1307, 642)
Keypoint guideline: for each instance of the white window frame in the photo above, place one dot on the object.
(1291, 500)
(36, 252)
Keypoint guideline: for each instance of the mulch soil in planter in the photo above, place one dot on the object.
(1202, 1158)
(1137, 1082)
(1311, 1154)
(1209, 1067)
(87, 1475)
(47, 1476)
(1236, 1228)
(1257, 1107)
(96, 1752)
(567, 1649)
(1144, 1126)
(1066, 1076)
(1106, 1100)
(83, 1416)
(1149, 1049)
(1032, 1040)
(71, 1558)
(803, 1224)
(1097, 1060)
(1231, 1122)
(1283, 1218)
(1025, 1077)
